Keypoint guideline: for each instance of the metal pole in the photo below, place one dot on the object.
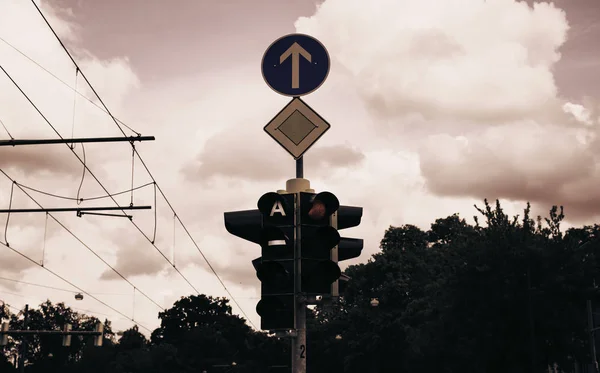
(531, 322)
(299, 340)
(77, 209)
(300, 168)
(24, 343)
(76, 140)
(592, 336)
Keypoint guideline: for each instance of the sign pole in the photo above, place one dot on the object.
(299, 340)
(300, 168)
(296, 65)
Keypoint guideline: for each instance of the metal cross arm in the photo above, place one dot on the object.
(46, 332)
(77, 209)
(66, 333)
(15, 142)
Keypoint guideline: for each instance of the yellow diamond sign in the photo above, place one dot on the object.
(297, 127)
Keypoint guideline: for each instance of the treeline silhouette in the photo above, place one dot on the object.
(508, 295)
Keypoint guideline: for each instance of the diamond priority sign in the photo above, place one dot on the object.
(297, 127)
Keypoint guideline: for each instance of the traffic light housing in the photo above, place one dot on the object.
(276, 266)
(321, 216)
(318, 238)
(272, 227)
(291, 226)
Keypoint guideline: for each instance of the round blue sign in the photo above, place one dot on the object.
(295, 65)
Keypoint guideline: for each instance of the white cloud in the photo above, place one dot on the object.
(425, 56)
(481, 108)
(579, 112)
(446, 108)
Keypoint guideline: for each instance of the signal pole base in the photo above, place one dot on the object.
(298, 185)
(299, 342)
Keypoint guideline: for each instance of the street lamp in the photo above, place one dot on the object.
(374, 302)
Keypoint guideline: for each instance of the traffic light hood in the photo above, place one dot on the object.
(273, 273)
(349, 248)
(349, 217)
(244, 224)
(317, 208)
(329, 200)
(273, 236)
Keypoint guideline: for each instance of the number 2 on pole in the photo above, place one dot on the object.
(302, 351)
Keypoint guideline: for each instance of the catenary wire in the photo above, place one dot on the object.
(54, 288)
(74, 308)
(64, 83)
(83, 243)
(143, 164)
(75, 286)
(83, 199)
(93, 175)
(9, 306)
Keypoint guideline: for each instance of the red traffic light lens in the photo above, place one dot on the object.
(318, 211)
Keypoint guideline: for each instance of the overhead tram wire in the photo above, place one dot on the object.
(75, 286)
(83, 243)
(83, 199)
(64, 83)
(54, 288)
(74, 308)
(4, 303)
(142, 162)
(95, 177)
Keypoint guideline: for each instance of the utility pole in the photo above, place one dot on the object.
(531, 322)
(24, 343)
(592, 342)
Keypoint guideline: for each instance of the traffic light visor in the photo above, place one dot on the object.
(317, 208)
(272, 273)
(326, 201)
(321, 273)
(269, 306)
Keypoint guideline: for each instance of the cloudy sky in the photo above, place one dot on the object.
(434, 105)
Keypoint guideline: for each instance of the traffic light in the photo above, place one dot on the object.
(318, 238)
(272, 227)
(66, 339)
(321, 216)
(276, 267)
(282, 221)
(98, 338)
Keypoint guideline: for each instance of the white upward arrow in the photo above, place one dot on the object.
(295, 51)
